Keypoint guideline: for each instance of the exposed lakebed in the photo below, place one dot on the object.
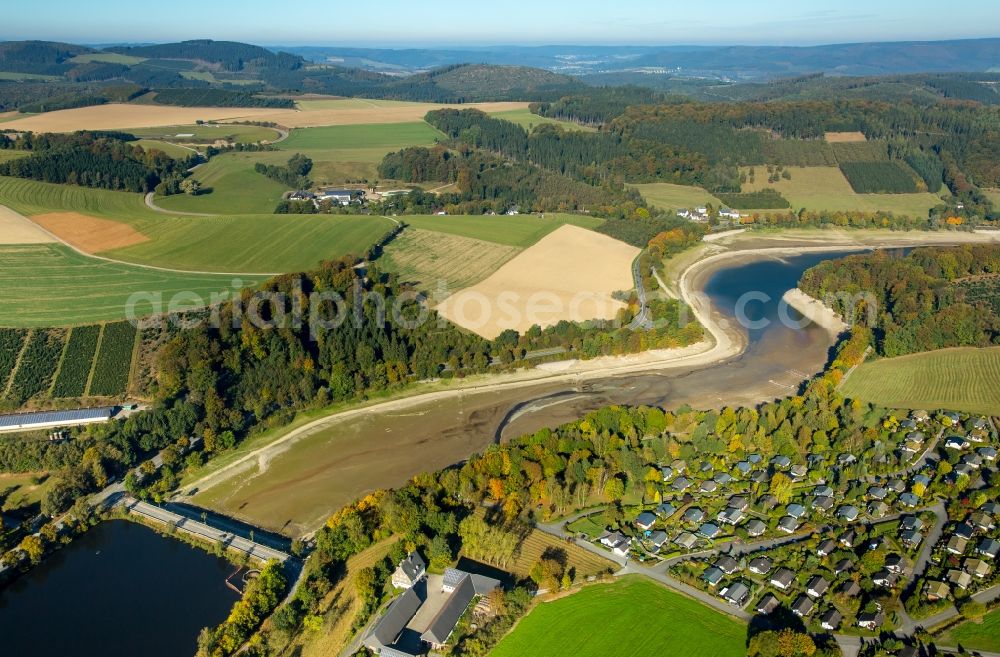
(294, 489)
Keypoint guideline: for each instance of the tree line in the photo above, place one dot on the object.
(294, 174)
(90, 159)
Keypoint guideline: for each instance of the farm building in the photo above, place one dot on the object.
(52, 419)
(342, 196)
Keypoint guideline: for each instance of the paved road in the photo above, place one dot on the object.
(642, 320)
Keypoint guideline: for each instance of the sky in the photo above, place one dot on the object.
(403, 23)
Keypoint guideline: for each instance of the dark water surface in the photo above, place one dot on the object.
(121, 590)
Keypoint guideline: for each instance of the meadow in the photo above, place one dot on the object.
(208, 133)
(674, 197)
(235, 188)
(21, 490)
(173, 150)
(527, 120)
(826, 188)
(52, 285)
(961, 379)
(262, 243)
(632, 616)
(975, 636)
(520, 230)
(426, 258)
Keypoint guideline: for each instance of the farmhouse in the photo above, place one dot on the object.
(342, 196)
(464, 588)
(400, 632)
(52, 419)
(410, 571)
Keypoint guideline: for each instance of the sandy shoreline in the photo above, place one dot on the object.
(724, 340)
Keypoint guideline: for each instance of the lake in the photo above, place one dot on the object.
(120, 590)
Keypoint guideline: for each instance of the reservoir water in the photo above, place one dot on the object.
(120, 590)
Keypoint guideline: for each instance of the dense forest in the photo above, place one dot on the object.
(487, 183)
(929, 299)
(587, 156)
(91, 159)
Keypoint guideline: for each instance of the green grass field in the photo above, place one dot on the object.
(344, 153)
(20, 77)
(262, 243)
(173, 150)
(826, 188)
(975, 636)
(253, 243)
(108, 57)
(993, 195)
(519, 230)
(236, 188)
(52, 285)
(632, 617)
(207, 133)
(8, 154)
(674, 197)
(21, 490)
(527, 120)
(960, 379)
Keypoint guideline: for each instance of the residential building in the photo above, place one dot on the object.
(782, 579)
(831, 619)
(645, 520)
(767, 604)
(761, 565)
(817, 586)
(803, 606)
(935, 590)
(410, 571)
(736, 594)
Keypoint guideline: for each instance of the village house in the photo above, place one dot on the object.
(935, 590)
(871, 620)
(788, 524)
(977, 568)
(782, 579)
(727, 564)
(795, 510)
(694, 515)
(665, 510)
(803, 606)
(618, 543)
(826, 548)
(755, 527)
(767, 604)
(817, 586)
(709, 530)
(959, 578)
(736, 594)
(831, 619)
(686, 540)
(989, 547)
(822, 503)
(645, 521)
(956, 545)
(843, 566)
(657, 540)
(761, 565)
(713, 576)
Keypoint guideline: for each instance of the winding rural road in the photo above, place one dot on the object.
(155, 208)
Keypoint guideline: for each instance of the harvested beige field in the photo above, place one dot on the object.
(123, 116)
(350, 113)
(89, 234)
(120, 116)
(569, 274)
(17, 229)
(841, 137)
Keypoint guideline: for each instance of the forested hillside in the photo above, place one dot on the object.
(929, 299)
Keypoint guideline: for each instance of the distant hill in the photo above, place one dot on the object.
(732, 63)
(38, 57)
(229, 55)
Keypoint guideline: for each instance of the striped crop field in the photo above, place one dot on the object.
(960, 379)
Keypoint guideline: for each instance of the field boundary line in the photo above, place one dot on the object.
(133, 368)
(17, 363)
(62, 361)
(93, 361)
(864, 357)
(150, 267)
